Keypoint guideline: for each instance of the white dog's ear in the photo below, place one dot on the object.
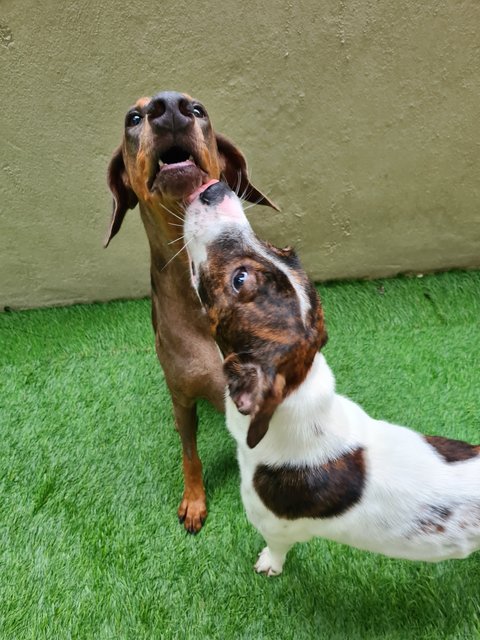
(255, 393)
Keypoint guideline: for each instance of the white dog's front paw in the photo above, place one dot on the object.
(268, 563)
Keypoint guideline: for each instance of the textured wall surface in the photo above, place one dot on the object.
(360, 119)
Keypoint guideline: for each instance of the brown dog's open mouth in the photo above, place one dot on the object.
(175, 155)
(175, 170)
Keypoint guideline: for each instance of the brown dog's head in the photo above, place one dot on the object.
(169, 149)
(264, 312)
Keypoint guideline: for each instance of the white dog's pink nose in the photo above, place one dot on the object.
(214, 210)
(219, 197)
(213, 206)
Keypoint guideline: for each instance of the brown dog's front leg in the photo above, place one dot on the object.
(193, 509)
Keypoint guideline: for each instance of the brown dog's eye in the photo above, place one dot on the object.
(239, 278)
(133, 119)
(198, 111)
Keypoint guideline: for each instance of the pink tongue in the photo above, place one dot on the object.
(198, 191)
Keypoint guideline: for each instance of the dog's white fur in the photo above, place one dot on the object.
(405, 478)
(414, 504)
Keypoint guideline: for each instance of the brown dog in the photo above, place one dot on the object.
(169, 149)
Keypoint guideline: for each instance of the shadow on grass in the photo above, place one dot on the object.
(360, 595)
(217, 452)
(220, 473)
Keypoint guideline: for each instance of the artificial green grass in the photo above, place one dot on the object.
(90, 480)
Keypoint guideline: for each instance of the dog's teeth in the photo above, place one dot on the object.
(190, 157)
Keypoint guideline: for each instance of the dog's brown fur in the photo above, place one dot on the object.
(187, 353)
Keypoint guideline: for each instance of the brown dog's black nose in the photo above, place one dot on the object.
(170, 110)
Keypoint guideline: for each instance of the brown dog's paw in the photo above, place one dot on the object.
(192, 513)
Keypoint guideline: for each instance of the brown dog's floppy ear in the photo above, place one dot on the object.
(234, 171)
(123, 196)
(254, 393)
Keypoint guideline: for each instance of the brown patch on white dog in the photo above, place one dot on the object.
(453, 450)
(313, 491)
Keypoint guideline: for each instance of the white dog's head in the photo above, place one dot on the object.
(264, 312)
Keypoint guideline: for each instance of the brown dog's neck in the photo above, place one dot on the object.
(164, 229)
(172, 290)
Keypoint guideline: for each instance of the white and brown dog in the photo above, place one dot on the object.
(312, 462)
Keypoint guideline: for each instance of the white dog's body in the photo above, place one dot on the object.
(414, 504)
(312, 462)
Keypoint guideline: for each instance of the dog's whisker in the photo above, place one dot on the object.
(175, 215)
(258, 201)
(253, 204)
(178, 253)
(174, 224)
(239, 182)
(249, 182)
(246, 190)
(170, 211)
(176, 240)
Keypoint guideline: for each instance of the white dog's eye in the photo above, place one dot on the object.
(239, 278)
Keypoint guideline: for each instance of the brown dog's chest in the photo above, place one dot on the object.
(187, 352)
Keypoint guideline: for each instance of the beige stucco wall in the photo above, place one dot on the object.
(360, 119)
